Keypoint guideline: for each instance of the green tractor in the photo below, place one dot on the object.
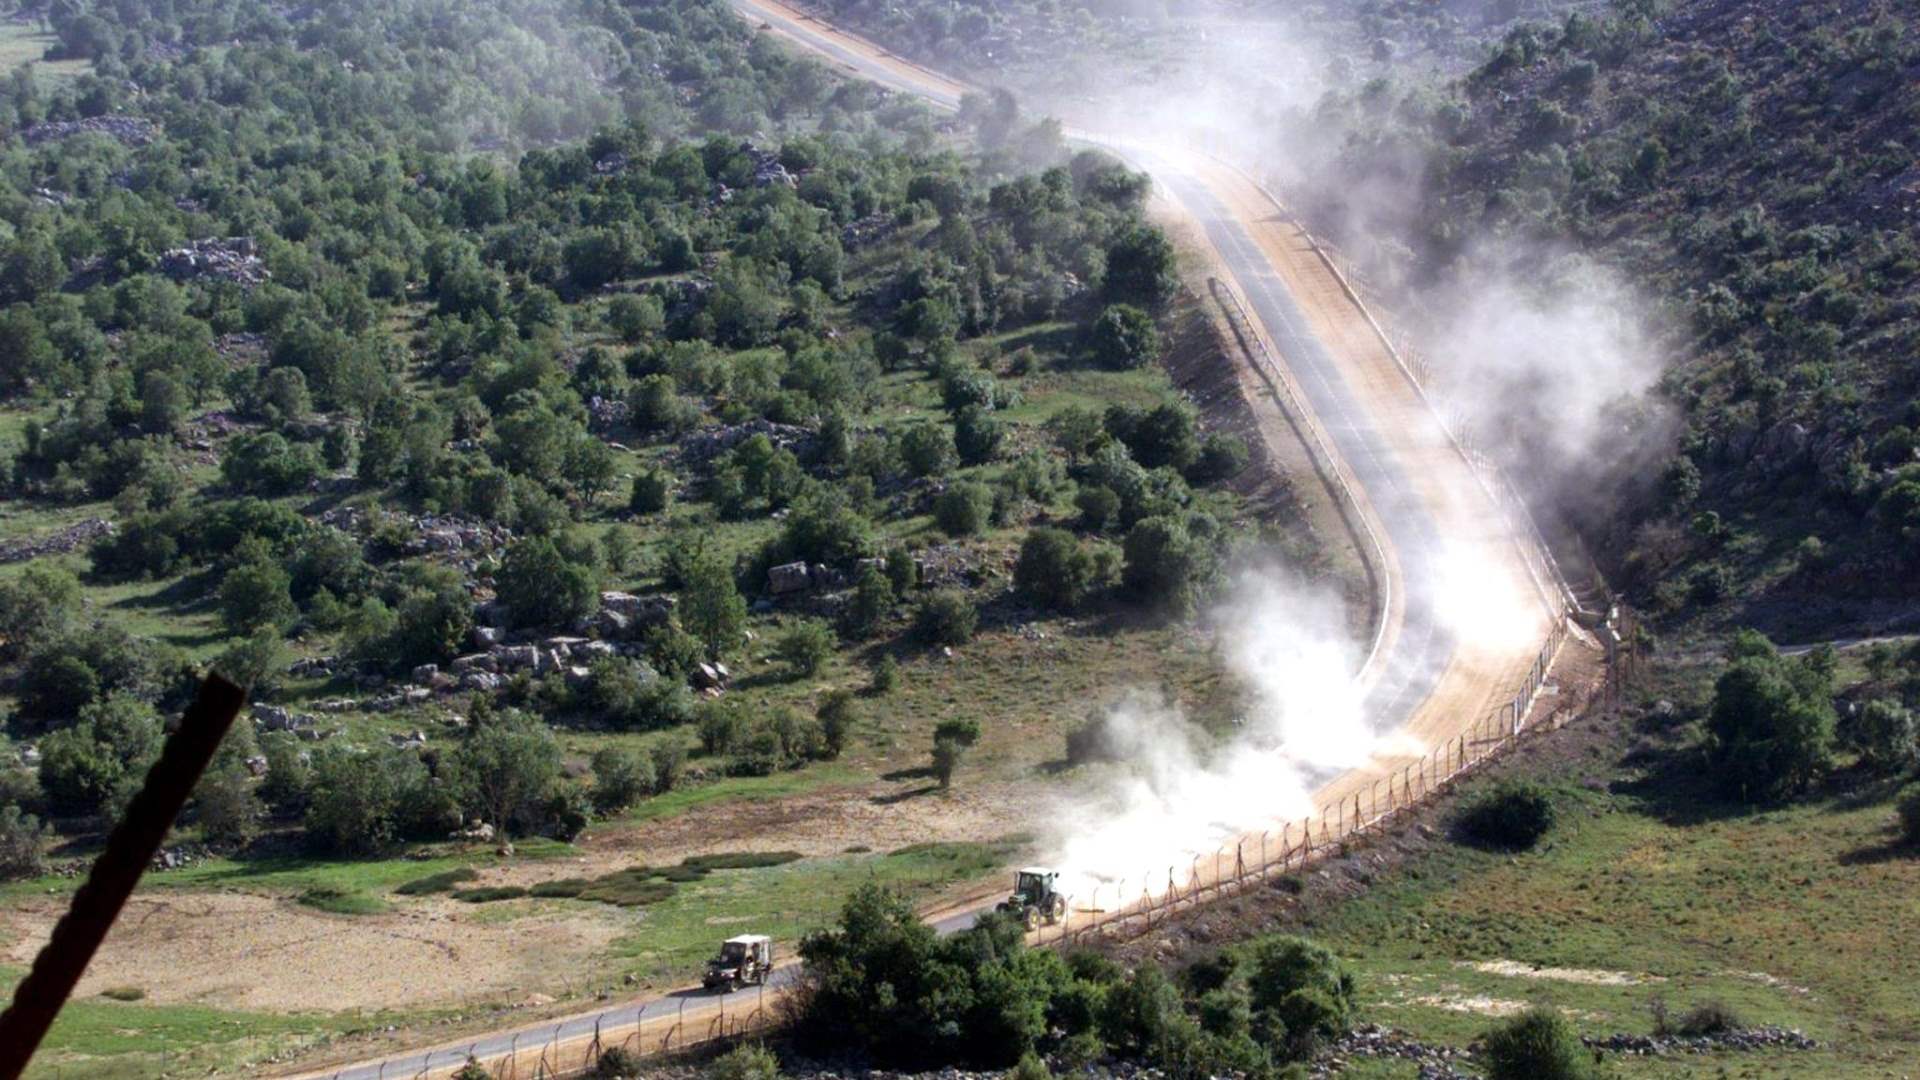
(1036, 898)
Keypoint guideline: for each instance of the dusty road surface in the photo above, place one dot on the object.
(1465, 606)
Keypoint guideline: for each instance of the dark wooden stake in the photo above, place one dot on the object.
(96, 904)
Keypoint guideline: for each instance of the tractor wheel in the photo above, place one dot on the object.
(1056, 908)
(1032, 919)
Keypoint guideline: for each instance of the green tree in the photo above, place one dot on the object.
(1165, 563)
(40, 603)
(1123, 337)
(23, 841)
(506, 771)
(543, 587)
(837, 714)
(1141, 267)
(1300, 994)
(256, 595)
(946, 617)
(620, 779)
(1054, 570)
(804, 645)
(1771, 725)
(872, 603)
(95, 766)
(711, 607)
(964, 509)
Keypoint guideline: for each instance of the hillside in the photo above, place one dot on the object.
(1746, 168)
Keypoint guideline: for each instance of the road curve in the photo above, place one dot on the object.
(1432, 515)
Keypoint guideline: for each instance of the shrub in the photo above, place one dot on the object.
(1031, 1067)
(927, 450)
(1054, 570)
(946, 617)
(873, 600)
(560, 888)
(963, 509)
(1099, 508)
(472, 1070)
(1538, 1044)
(620, 779)
(669, 761)
(1301, 994)
(652, 492)
(836, 715)
(1165, 563)
(1770, 729)
(1908, 811)
(947, 755)
(1884, 734)
(616, 1063)
(886, 676)
(541, 586)
(1512, 814)
(1091, 741)
(805, 645)
(749, 1062)
(22, 838)
(1123, 337)
(254, 596)
(1709, 1018)
(1222, 457)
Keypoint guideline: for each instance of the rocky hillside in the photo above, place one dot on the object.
(1749, 166)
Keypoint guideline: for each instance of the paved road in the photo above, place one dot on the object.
(1419, 652)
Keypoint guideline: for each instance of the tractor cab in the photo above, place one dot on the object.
(1036, 897)
(1034, 885)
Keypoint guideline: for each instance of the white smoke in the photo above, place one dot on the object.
(1179, 793)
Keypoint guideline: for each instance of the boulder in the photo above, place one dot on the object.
(788, 578)
(486, 637)
(516, 657)
(424, 673)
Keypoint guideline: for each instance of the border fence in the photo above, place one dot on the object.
(1134, 906)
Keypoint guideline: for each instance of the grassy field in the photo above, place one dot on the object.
(1649, 889)
(663, 945)
(21, 43)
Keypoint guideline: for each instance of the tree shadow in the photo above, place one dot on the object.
(190, 591)
(919, 772)
(1676, 788)
(1889, 850)
(903, 796)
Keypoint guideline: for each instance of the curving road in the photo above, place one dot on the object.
(1443, 542)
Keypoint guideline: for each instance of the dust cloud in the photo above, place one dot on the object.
(1532, 349)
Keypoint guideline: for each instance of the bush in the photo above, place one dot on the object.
(873, 600)
(620, 779)
(886, 676)
(652, 492)
(1222, 457)
(22, 839)
(963, 509)
(804, 646)
(1771, 727)
(1538, 1044)
(749, 1062)
(836, 715)
(541, 586)
(1908, 811)
(1165, 563)
(978, 434)
(1123, 337)
(1301, 994)
(1054, 570)
(1884, 734)
(946, 617)
(616, 1063)
(946, 758)
(1709, 1018)
(1513, 814)
(255, 596)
